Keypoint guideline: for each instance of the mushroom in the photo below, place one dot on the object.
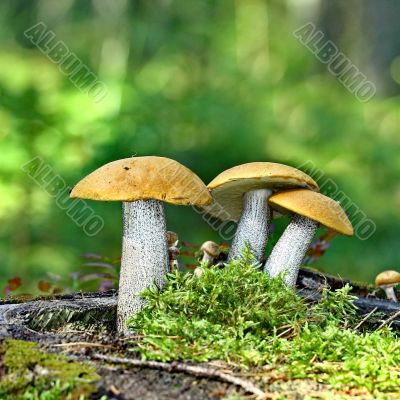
(240, 195)
(387, 280)
(142, 184)
(310, 210)
(173, 250)
(173, 253)
(172, 239)
(210, 252)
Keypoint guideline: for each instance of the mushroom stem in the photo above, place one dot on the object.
(390, 294)
(144, 258)
(207, 259)
(288, 253)
(253, 225)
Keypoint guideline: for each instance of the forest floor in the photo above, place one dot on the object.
(118, 381)
(67, 346)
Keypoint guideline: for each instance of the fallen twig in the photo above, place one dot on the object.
(136, 337)
(84, 344)
(365, 318)
(384, 323)
(194, 370)
(132, 337)
(285, 332)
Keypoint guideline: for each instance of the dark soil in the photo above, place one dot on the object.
(147, 384)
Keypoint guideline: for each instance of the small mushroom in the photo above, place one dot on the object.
(172, 239)
(210, 252)
(142, 184)
(387, 280)
(209, 255)
(173, 250)
(174, 253)
(310, 210)
(240, 195)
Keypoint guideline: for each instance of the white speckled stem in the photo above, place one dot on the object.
(144, 255)
(253, 225)
(288, 253)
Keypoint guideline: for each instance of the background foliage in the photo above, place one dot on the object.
(209, 83)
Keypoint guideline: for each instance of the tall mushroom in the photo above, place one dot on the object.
(142, 184)
(240, 195)
(310, 210)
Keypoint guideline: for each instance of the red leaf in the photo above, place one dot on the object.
(92, 256)
(106, 285)
(44, 286)
(329, 235)
(14, 283)
(189, 245)
(187, 253)
(96, 275)
(99, 264)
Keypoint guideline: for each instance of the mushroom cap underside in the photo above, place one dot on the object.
(387, 278)
(144, 178)
(315, 206)
(229, 187)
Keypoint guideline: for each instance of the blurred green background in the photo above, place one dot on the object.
(211, 84)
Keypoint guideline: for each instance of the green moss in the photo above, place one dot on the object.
(32, 374)
(240, 315)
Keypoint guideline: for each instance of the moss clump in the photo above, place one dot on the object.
(27, 373)
(240, 315)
